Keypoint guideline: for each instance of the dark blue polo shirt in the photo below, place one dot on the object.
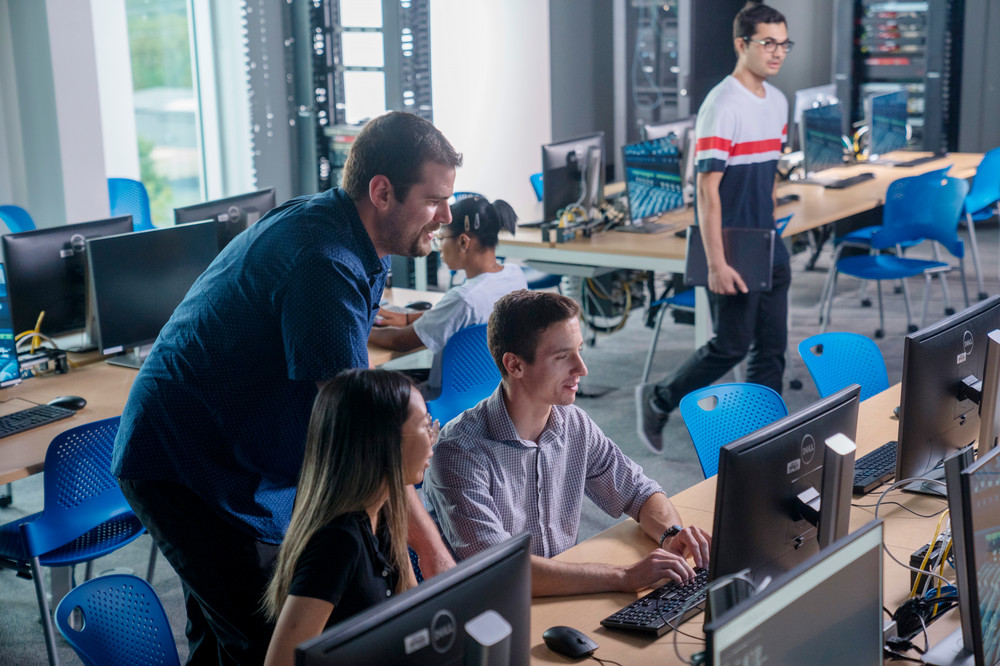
(222, 402)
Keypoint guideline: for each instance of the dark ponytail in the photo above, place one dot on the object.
(476, 216)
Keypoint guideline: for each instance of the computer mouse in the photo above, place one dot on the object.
(791, 197)
(569, 642)
(73, 402)
(419, 305)
(895, 411)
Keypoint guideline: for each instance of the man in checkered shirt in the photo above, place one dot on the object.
(524, 458)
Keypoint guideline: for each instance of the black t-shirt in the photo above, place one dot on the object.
(347, 565)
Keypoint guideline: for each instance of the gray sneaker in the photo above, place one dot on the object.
(650, 419)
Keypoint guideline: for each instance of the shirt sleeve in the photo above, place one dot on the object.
(436, 326)
(457, 486)
(715, 130)
(326, 317)
(327, 565)
(615, 483)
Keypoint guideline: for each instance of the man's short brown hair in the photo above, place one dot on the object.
(753, 14)
(520, 317)
(395, 145)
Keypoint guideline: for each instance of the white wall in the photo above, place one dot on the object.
(114, 79)
(491, 91)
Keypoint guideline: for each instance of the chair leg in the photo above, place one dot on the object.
(971, 225)
(927, 294)
(43, 607)
(652, 343)
(906, 302)
(829, 301)
(151, 568)
(881, 311)
(88, 570)
(965, 286)
(831, 278)
(7, 498)
(944, 282)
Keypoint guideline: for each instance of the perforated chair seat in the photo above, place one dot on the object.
(837, 360)
(105, 538)
(468, 374)
(886, 267)
(735, 410)
(123, 622)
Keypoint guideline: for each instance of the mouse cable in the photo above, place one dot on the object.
(714, 585)
(604, 661)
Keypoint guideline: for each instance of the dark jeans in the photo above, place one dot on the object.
(223, 571)
(752, 325)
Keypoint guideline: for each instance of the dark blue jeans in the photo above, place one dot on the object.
(752, 325)
(223, 571)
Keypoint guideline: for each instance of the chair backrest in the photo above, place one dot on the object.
(119, 620)
(537, 185)
(837, 360)
(80, 492)
(921, 207)
(468, 374)
(720, 414)
(985, 190)
(16, 218)
(129, 197)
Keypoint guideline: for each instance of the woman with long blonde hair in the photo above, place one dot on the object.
(345, 550)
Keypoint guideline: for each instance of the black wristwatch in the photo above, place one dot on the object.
(671, 531)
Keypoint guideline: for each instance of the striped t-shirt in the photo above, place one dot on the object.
(742, 135)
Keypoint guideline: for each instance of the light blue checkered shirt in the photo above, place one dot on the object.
(486, 484)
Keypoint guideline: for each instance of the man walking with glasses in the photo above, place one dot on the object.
(742, 126)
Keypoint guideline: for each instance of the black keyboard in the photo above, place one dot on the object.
(921, 160)
(873, 469)
(32, 417)
(847, 182)
(647, 228)
(662, 609)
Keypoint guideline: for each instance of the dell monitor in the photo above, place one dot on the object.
(138, 279)
(10, 370)
(573, 173)
(827, 610)
(822, 140)
(443, 620)
(232, 214)
(938, 407)
(676, 127)
(654, 179)
(989, 402)
(767, 479)
(46, 272)
(813, 98)
(886, 123)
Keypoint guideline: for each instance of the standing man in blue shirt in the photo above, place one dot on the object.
(742, 126)
(212, 437)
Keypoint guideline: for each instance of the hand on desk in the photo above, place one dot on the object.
(387, 318)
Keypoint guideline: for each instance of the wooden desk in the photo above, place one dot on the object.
(106, 389)
(627, 543)
(665, 252)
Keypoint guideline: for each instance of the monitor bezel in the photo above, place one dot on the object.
(555, 156)
(214, 209)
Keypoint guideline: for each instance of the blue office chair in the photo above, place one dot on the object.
(915, 208)
(16, 219)
(117, 619)
(720, 414)
(981, 205)
(537, 185)
(837, 360)
(85, 515)
(468, 374)
(129, 197)
(679, 302)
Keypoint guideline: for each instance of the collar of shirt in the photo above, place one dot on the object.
(499, 426)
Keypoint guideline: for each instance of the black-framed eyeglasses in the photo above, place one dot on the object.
(439, 238)
(771, 46)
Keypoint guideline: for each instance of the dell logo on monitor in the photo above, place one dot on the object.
(443, 631)
(808, 449)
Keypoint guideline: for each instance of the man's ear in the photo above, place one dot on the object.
(380, 192)
(513, 364)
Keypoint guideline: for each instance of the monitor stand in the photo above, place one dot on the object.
(933, 489)
(950, 652)
(133, 359)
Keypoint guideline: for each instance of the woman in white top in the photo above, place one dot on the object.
(467, 244)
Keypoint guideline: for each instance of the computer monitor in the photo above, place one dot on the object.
(822, 138)
(760, 521)
(827, 610)
(813, 98)
(430, 624)
(676, 127)
(46, 271)
(653, 178)
(138, 279)
(573, 172)
(886, 123)
(938, 408)
(232, 214)
(989, 402)
(10, 370)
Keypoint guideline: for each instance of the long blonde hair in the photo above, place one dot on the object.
(352, 458)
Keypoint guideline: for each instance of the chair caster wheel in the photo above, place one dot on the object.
(795, 384)
(912, 328)
(879, 333)
(897, 290)
(6, 501)
(983, 295)
(949, 311)
(866, 302)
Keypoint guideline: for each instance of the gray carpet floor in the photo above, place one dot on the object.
(615, 361)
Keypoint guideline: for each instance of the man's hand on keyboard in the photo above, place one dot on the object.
(657, 566)
(691, 541)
